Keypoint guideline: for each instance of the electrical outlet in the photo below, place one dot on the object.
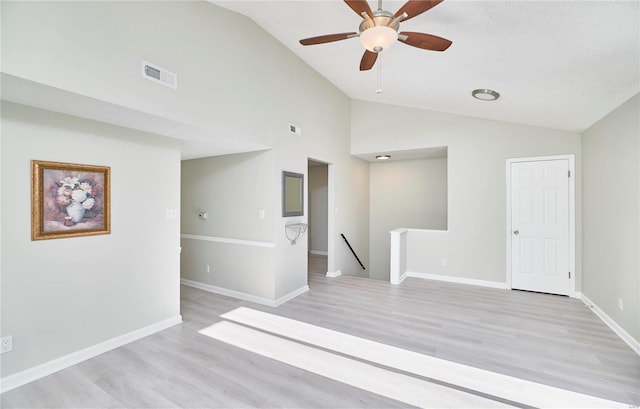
(620, 304)
(6, 344)
(444, 262)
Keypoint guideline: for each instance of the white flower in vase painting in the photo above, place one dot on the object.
(88, 204)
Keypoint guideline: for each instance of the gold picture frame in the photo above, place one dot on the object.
(69, 200)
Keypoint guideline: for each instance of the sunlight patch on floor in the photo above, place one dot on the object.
(289, 341)
(380, 381)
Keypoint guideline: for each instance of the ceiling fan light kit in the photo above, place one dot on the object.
(378, 38)
(379, 30)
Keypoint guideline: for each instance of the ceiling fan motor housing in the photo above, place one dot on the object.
(380, 18)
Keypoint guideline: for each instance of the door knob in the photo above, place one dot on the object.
(516, 232)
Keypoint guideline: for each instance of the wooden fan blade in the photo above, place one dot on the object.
(359, 6)
(416, 7)
(425, 41)
(368, 59)
(327, 38)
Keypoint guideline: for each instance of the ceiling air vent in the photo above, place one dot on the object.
(158, 74)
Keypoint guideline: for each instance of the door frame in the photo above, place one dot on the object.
(572, 215)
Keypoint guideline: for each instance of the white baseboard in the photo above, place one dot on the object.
(244, 296)
(402, 277)
(334, 274)
(626, 337)
(293, 294)
(29, 375)
(457, 280)
(318, 252)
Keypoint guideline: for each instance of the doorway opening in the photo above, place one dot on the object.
(318, 193)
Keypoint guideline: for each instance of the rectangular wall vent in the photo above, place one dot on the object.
(155, 73)
(295, 129)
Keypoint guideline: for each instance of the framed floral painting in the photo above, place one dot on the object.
(69, 200)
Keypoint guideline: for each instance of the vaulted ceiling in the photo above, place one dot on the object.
(556, 64)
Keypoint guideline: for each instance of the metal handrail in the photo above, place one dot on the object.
(353, 252)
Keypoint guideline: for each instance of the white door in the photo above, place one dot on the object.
(540, 226)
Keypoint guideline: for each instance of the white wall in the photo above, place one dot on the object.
(475, 243)
(407, 193)
(357, 229)
(70, 45)
(303, 97)
(231, 189)
(611, 216)
(235, 82)
(318, 208)
(62, 295)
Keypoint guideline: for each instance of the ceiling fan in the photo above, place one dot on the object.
(379, 30)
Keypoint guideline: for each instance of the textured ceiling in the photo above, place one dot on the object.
(557, 64)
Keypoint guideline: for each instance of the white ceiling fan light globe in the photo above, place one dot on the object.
(378, 38)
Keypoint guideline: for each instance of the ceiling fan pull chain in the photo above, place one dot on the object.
(379, 88)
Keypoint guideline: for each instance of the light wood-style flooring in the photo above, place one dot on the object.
(317, 264)
(542, 338)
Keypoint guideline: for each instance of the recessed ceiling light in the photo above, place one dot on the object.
(485, 94)
(383, 157)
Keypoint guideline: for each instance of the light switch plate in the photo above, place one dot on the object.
(6, 344)
(172, 214)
